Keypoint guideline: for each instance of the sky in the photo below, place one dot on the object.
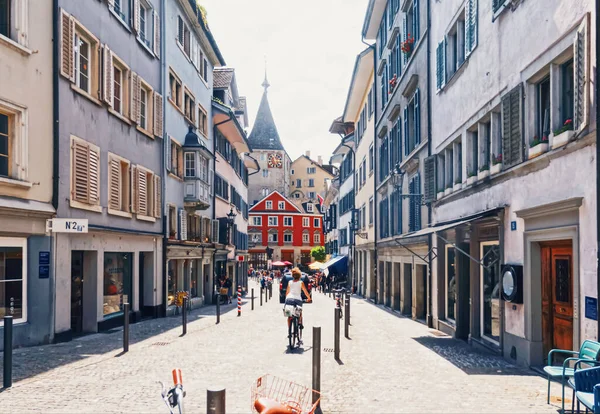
(310, 47)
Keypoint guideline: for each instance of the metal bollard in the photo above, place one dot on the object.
(215, 401)
(261, 293)
(184, 315)
(270, 291)
(218, 308)
(348, 310)
(316, 363)
(347, 318)
(252, 298)
(336, 333)
(126, 327)
(239, 300)
(8, 348)
(266, 294)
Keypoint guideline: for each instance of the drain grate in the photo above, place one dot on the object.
(160, 343)
(327, 349)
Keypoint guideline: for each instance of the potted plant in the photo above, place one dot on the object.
(538, 146)
(393, 83)
(563, 135)
(457, 184)
(448, 189)
(407, 46)
(172, 234)
(496, 164)
(471, 177)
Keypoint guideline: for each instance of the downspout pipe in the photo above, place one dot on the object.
(429, 153)
(163, 84)
(55, 154)
(375, 256)
(597, 25)
(353, 239)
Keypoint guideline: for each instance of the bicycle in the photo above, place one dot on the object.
(294, 333)
(272, 395)
(174, 397)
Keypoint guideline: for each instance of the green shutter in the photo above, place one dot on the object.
(404, 36)
(580, 70)
(429, 189)
(417, 117)
(512, 142)
(406, 143)
(417, 201)
(438, 67)
(416, 25)
(470, 26)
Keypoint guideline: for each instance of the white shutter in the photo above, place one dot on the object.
(136, 16)
(156, 34)
(183, 224)
(108, 75)
(581, 77)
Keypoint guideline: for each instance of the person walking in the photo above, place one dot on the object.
(228, 284)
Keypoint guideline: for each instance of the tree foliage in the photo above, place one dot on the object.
(318, 253)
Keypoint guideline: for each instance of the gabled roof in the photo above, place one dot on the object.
(269, 196)
(316, 164)
(363, 68)
(222, 77)
(200, 14)
(264, 133)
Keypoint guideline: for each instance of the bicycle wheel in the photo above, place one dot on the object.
(293, 332)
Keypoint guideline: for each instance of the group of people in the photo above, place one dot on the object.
(225, 283)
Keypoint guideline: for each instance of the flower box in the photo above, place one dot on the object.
(562, 139)
(471, 180)
(457, 186)
(448, 191)
(496, 168)
(482, 174)
(537, 150)
(440, 194)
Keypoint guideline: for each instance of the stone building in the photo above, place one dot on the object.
(308, 179)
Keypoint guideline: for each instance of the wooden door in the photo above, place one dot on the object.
(557, 297)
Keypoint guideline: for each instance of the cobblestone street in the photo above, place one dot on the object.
(391, 364)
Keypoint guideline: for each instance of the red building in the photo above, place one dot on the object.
(290, 230)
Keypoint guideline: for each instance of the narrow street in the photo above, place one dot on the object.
(390, 364)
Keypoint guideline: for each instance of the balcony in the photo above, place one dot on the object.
(197, 194)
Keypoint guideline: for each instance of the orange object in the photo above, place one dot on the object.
(112, 290)
(177, 380)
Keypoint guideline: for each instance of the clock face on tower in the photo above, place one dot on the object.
(275, 161)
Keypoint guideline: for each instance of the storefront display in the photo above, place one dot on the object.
(11, 282)
(117, 281)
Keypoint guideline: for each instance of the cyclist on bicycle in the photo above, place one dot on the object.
(293, 293)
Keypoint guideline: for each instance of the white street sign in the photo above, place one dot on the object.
(61, 225)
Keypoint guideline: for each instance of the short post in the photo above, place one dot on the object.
(347, 318)
(348, 309)
(215, 401)
(8, 345)
(261, 293)
(336, 333)
(218, 308)
(252, 298)
(126, 327)
(184, 315)
(316, 363)
(239, 300)
(266, 294)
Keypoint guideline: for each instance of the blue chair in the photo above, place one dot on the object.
(587, 388)
(589, 351)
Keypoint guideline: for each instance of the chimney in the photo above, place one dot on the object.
(320, 160)
(308, 154)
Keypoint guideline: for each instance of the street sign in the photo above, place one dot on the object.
(61, 225)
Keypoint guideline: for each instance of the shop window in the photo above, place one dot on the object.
(175, 282)
(117, 281)
(450, 284)
(490, 290)
(13, 279)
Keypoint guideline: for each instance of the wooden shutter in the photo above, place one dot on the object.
(67, 42)
(417, 117)
(142, 183)
(158, 114)
(580, 67)
(134, 109)
(429, 190)
(134, 189)
(136, 16)
(180, 30)
(94, 194)
(80, 173)
(114, 184)
(179, 162)
(168, 154)
(214, 233)
(156, 34)
(157, 197)
(512, 142)
(183, 224)
(108, 75)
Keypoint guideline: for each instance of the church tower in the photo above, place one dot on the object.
(267, 148)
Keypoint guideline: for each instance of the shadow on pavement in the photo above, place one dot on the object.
(470, 360)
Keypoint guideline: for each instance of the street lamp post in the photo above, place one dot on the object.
(230, 220)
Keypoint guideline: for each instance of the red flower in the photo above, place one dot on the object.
(568, 121)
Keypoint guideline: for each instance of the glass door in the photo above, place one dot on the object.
(450, 284)
(490, 290)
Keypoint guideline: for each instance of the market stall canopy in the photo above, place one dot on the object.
(315, 265)
(227, 124)
(278, 264)
(338, 264)
(287, 263)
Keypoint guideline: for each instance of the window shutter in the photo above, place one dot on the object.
(142, 192)
(417, 117)
(406, 146)
(470, 26)
(108, 75)
(180, 30)
(214, 233)
(94, 194)
(134, 108)
(114, 184)
(399, 212)
(156, 34)
(81, 172)
(67, 51)
(512, 142)
(438, 66)
(416, 22)
(404, 36)
(182, 224)
(444, 63)
(580, 67)
(157, 197)
(392, 213)
(158, 115)
(168, 154)
(411, 213)
(180, 165)
(136, 15)
(429, 184)
(134, 189)
(417, 201)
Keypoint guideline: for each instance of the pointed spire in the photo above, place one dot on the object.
(266, 83)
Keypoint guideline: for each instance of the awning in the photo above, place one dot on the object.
(344, 147)
(251, 163)
(338, 263)
(227, 124)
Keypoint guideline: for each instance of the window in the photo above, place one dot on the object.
(119, 7)
(119, 181)
(257, 221)
(221, 188)
(272, 237)
(305, 222)
(265, 173)
(297, 195)
(311, 195)
(287, 237)
(292, 172)
(5, 13)
(311, 182)
(82, 63)
(183, 36)
(189, 105)
(299, 183)
(309, 207)
(190, 164)
(305, 237)
(311, 170)
(287, 221)
(146, 193)
(473, 152)
(176, 89)
(117, 89)
(450, 284)
(202, 121)
(281, 205)
(371, 159)
(85, 175)
(414, 187)
(412, 124)
(143, 108)
(566, 91)
(317, 238)
(543, 108)
(363, 216)
(269, 205)
(176, 167)
(265, 192)
(316, 223)
(13, 278)
(5, 156)
(145, 23)
(273, 221)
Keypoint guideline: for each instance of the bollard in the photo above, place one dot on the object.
(316, 363)
(252, 298)
(215, 401)
(261, 293)
(347, 318)
(126, 327)
(239, 300)
(218, 308)
(8, 348)
(270, 291)
(348, 310)
(336, 333)
(266, 294)
(184, 315)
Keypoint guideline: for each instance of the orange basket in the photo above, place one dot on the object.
(295, 396)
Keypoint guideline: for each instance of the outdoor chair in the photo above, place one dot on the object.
(589, 351)
(587, 388)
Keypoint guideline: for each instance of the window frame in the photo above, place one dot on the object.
(149, 106)
(286, 235)
(179, 94)
(190, 107)
(281, 205)
(185, 164)
(269, 205)
(9, 20)
(119, 64)
(317, 238)
(310, 208)
(77, 62)
(306, 222)
(179, 160)
(287, 219)
(305, 237)
(202, 121)
(273, 221)
(22, 243)
(257, 221)
(316, 222)
(124, 180)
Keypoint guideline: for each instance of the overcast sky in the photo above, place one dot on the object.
(311, 46)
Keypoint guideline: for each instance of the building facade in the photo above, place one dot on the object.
(515, 175)
(190, 234)
(267, 149)
(402, 147)
(308, 179)
(110, 164)
(26, 170)
(290, 230)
